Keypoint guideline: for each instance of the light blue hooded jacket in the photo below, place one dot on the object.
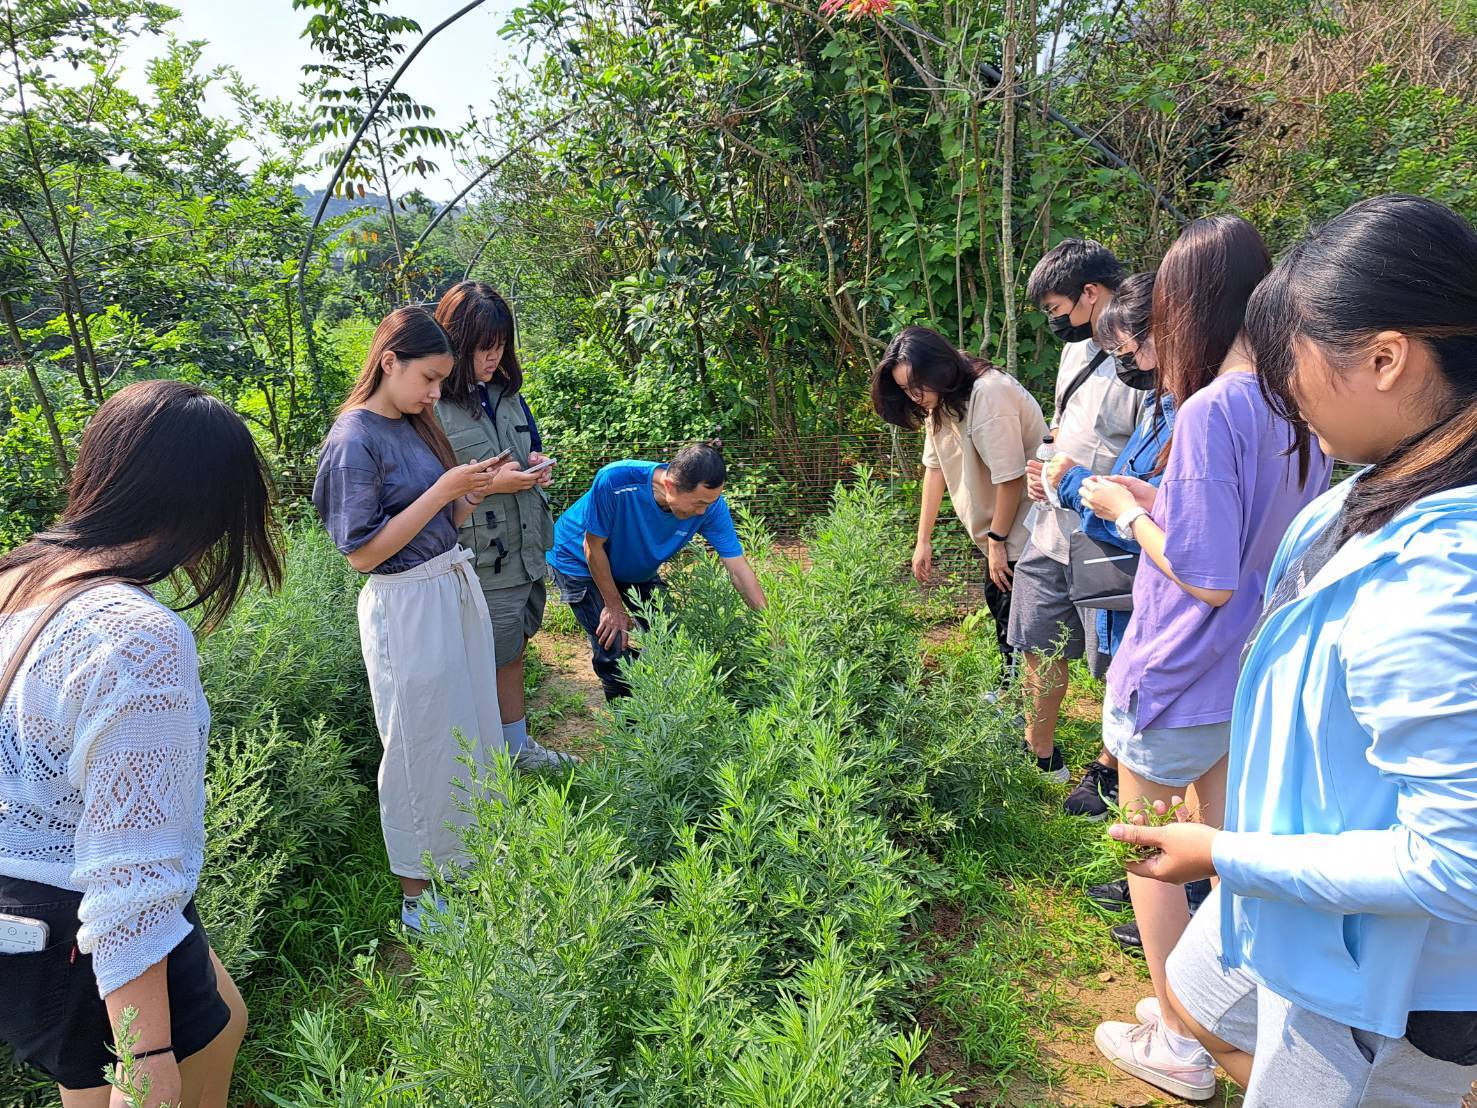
(1351, 842)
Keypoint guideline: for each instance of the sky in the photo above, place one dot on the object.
(262, 39)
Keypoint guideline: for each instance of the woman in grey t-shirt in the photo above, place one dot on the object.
(391, 495)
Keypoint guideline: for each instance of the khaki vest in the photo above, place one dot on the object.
(509, 533)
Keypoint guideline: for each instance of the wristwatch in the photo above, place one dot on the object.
(1124, 523)
(997, 538)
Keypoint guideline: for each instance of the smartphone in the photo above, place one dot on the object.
(20, 935)
(496, 459)
(540, 467)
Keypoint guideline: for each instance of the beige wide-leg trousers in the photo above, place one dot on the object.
(427, 643)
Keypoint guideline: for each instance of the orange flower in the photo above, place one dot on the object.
(855, 9)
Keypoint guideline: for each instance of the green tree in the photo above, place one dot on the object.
(359, 43)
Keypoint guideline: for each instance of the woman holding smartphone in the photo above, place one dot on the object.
(391, 495)
(510, 533)
(103, 735)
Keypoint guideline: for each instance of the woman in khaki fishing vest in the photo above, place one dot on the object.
(511, 531)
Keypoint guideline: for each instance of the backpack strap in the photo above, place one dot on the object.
(28, 640)
(1078, 381)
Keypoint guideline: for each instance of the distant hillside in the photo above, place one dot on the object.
(310, 200)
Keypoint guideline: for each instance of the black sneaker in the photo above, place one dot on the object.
(1094, 793)
(1112, 897)
(1127, 936)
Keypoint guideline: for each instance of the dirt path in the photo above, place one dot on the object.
(563, 710)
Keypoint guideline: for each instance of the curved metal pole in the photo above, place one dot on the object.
(477, 257)
(1111, 156)
(338, 171)
(477, 180)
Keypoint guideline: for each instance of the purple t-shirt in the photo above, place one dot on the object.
(1228, 495)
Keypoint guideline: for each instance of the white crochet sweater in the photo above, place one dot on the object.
(102, 772)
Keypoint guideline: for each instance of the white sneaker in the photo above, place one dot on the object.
(534, 757)
(411, 918)
(1141, 1050)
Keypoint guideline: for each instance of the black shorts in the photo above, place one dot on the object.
(50, 1012)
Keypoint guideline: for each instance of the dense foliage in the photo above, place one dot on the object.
(709, 217)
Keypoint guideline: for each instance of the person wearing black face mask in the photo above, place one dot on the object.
(1130, 372)
(1064, 328)
(1123, 330)
(1095, 414)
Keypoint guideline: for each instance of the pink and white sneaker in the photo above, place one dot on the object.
(1142, 1050)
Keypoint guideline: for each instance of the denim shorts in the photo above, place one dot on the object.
(1170, 756)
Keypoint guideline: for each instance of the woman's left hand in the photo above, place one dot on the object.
(546, 478)
(1000, 572)
(1106, 499)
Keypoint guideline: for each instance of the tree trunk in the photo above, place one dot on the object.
(1007, 185)
(48, 412)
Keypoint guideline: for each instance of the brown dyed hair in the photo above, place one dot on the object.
(476, 317)
(1201, 290)
(168, 481)
(409, 333)
(1200, 294)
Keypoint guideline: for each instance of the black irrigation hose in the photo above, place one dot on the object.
(1111, 156)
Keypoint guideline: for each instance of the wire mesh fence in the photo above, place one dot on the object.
(786, 487)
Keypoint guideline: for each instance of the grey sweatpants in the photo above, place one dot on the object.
(1302, 1058)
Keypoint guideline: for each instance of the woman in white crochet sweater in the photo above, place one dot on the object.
(102, 750)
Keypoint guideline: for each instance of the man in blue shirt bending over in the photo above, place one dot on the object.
(610, 545)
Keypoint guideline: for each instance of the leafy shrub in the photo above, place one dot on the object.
(283, 785)
(520, 996)
(32, 490)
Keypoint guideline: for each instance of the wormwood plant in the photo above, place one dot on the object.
(282, 784)
(1139, 811)
(713, 912)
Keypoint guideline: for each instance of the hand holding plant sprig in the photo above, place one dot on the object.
(1162, 841)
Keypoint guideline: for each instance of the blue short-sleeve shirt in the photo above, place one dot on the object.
(639, 534)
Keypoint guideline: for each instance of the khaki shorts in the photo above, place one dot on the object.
(517, 614)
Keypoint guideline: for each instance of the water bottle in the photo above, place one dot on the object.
(1044, 454)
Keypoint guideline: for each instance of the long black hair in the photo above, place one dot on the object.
(168, 480)
(933, 363)
(1390, 263)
